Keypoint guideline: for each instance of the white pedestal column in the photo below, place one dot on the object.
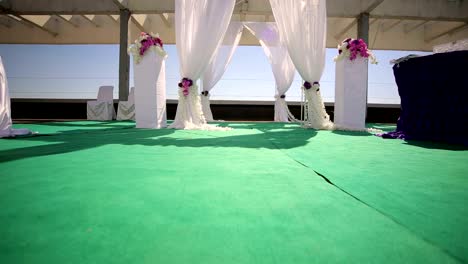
(150, 91)
(351, 94)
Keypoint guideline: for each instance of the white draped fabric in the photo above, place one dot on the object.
(303, 27)
(218, 65)
(281, 64)
(200, 27)
(6, 129)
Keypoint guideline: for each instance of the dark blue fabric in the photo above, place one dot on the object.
(434, 97)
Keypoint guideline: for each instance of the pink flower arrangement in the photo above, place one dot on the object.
(354, 48)
(145, 42)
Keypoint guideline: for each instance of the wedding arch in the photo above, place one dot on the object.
(206, 41)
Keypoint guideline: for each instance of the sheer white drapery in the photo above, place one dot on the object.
(281, 64)
(6, 124)
(200, 27)
(5, 110)
(303, 27)
(218, 65)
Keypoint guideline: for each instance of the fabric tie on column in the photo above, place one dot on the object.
(315, 85)
(185, 84)
(283, 96)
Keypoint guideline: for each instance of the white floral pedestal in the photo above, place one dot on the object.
(150, 91)
(351, 94)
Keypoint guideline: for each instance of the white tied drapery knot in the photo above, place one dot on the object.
(315, 86)
(303, 28)
(200, 26)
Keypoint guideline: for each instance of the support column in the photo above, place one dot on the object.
(363, 33)
(124, 59)
(363, 27)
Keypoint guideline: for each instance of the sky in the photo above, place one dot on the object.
(76, 72)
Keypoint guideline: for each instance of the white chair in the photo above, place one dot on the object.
(126, 109)
(103, 107)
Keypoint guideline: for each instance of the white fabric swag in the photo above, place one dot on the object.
(303, 27)
(6, 124)
(200, 28)
(281, 64)
(218, 65)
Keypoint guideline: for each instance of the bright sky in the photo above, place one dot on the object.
(76, 71)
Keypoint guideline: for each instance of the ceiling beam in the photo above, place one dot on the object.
(394, 24)
(165, 19)
(340, 34)
(136, 11)
(448, 32)
(119, 4)
(68, 21)
(113, 19)
(242, 17)
(90, 20)
(137, 24)
(446, 19)
(409, 29)
(28, 22)
(5, 24)
(373, 6)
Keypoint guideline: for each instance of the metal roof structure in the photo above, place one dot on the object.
(393, 24)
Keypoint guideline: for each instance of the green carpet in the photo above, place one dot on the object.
(92, 192)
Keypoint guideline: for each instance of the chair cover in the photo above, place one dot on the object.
(126, 109)
(103, 107)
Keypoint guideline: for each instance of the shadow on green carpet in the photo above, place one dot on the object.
(59, 141)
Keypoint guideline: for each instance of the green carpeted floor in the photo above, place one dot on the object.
(105, 192)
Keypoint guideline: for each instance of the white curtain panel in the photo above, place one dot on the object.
(5, 111)
(218, 65)
(200, 28)
(303, 27)
(281, 64)
(6, 124)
